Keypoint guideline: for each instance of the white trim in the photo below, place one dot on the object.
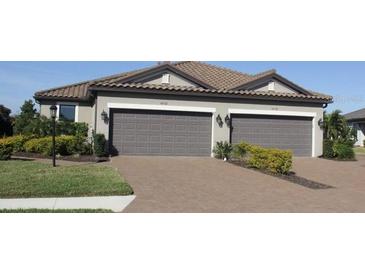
(313, 137)
(272, 112)
(161, 107)
(69, 104)
(282, 113)
(212, 139)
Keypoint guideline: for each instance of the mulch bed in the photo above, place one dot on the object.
(72, 158)
(291, 177)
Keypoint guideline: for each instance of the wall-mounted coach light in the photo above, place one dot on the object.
(219, 120)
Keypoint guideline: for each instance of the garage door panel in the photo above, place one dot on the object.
(161, 133)
(282, 132)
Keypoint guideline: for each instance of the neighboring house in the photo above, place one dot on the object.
(357, 120)
(184, 108)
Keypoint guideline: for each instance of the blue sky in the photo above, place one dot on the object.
(343, 80)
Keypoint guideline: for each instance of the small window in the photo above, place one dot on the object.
(67, 113)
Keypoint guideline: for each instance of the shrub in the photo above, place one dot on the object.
(280, 161)
(41, 126)
(65, 145)
(38, 145)
(274, 160)
(328, 149)
(271, 159)
(223, 150)
(84, 148)
(71, 128)
(343, 151)
(5, 151)
(338, 150)
(16, 142)
(99, 145)
(241, 150)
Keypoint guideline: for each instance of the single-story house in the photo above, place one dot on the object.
(184, 108)
(356, 119)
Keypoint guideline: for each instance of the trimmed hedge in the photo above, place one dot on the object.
(271, 159)
(274, 160)
(241, 150)
(65, 145)
(16, 142)
(8, 145)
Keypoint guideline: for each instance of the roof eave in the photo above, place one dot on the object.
(277, 77)
(216, 95)
(357, 119)
(173, 69)
(56, 98)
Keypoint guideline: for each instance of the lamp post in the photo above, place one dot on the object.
(53, 110)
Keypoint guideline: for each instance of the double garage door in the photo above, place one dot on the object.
(144, 132)
(284, 132)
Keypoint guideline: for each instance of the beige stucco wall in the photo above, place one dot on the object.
(85, 112)
(219, 134)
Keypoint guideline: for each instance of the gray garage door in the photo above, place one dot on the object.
(136, 132)
(282, 132)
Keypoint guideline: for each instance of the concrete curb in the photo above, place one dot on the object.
(114, 203)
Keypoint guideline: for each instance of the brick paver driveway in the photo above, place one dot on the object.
(182, 184)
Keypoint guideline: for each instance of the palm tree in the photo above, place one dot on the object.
(336, 128)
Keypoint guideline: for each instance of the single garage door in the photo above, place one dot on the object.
(143, 132)
(284, 132)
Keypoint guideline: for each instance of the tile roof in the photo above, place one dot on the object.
(222, 81)
(200, 90)
(80, 91)
(217, 77)
(356, 115)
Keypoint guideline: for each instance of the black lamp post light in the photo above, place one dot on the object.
(53, 110)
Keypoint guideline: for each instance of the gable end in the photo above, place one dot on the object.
(160, 70)
(281, 84)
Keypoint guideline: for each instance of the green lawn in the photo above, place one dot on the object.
(20, 179)
(359, 150)
(35, 210)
